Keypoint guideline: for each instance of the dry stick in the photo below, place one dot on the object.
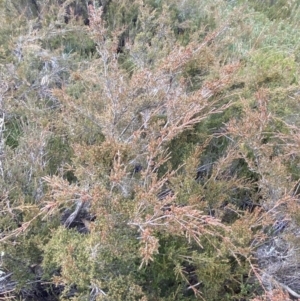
(71, 218)
(293, 293)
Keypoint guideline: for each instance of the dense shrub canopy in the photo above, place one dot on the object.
(149, 150)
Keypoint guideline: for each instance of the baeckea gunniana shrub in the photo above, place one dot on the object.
(149, 150)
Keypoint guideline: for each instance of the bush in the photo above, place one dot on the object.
(149, 150)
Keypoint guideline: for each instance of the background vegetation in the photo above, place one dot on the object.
(149, 150)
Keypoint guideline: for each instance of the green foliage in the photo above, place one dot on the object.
(71, 41)
(278, 9)
(13, 132)
(273, 68)
(149, 149)
(283, 104)
(62, 250)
